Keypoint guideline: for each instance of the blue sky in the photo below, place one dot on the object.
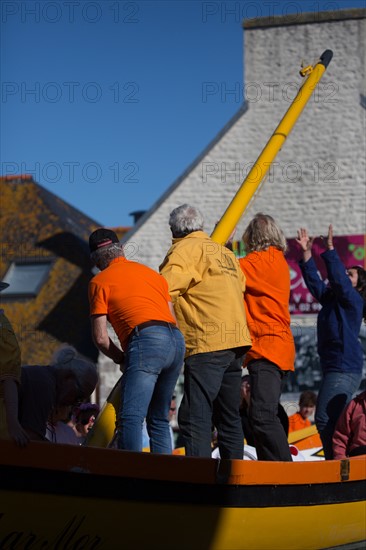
(106, 103)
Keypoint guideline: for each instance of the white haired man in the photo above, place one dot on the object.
(206, 285)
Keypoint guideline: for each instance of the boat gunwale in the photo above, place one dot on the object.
(107, 462)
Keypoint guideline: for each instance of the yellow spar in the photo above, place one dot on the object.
(251, 183)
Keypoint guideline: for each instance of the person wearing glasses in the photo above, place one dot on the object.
(68, 380)
(338, 327)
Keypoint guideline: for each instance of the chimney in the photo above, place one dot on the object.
(137, 214)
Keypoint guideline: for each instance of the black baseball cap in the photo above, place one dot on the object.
(102, 237)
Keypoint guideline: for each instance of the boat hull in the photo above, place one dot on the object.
(63, 497)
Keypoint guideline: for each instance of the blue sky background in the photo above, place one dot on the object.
(105, 102)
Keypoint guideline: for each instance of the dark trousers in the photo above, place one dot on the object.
(212, 397)
(265, 390)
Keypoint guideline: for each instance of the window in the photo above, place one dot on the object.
(25, 279)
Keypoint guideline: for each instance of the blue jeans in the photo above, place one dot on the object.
(212, 397)
(336, 390)
(154, 359)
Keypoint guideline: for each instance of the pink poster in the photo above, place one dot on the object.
(351, 249)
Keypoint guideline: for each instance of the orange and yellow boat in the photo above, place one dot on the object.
(63, 497)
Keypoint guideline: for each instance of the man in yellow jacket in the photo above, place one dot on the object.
(206, 285)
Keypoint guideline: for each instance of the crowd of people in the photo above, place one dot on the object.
(34, 397)
(211, 316)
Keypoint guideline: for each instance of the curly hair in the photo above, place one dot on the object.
(263, 232)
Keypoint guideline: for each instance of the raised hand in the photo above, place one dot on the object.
(330, 238)
(304, 240)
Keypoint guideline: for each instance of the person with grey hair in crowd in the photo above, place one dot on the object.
(68, 380)
(207, 286)
(136, 301)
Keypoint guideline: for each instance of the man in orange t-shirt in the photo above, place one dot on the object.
(272, 354)
(136, 301)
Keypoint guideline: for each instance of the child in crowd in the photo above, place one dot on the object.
(300, 420)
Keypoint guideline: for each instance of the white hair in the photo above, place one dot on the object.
(103, 256)
(185, 219)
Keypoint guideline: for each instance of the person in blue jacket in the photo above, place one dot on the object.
(338, 327)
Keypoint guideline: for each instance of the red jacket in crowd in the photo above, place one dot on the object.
(350, 431)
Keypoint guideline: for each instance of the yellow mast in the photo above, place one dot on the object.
(251, 183)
